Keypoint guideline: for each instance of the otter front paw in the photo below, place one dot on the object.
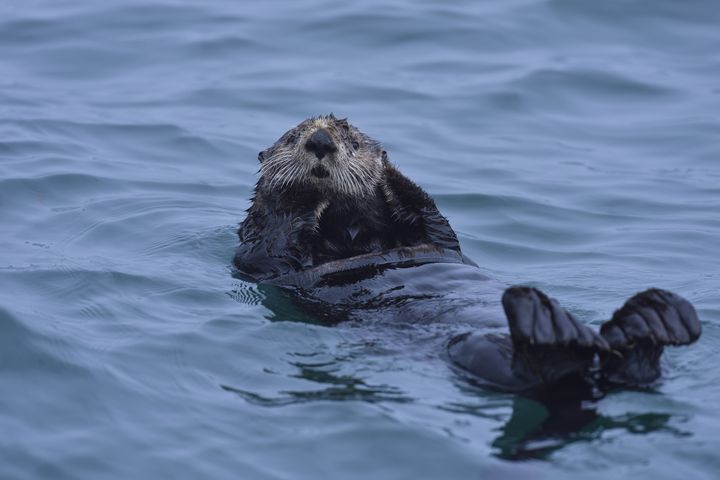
(639, 331)
(548, 342)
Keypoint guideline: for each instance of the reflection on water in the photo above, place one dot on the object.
(335, 388)
(536, 429)
(280, 305)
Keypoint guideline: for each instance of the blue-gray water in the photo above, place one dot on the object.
(572, 144)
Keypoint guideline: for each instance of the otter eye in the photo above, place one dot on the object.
(291, 138)
(355, 145)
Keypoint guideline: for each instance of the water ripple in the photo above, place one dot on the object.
(572, 145)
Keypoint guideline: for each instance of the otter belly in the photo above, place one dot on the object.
(408, 285)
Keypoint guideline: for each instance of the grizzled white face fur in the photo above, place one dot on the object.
(324, 154)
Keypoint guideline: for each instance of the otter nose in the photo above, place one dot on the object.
(320, 143)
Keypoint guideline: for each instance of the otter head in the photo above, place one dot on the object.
(323, 154)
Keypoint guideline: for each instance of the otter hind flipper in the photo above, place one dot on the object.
(638, 332)
(549, 343)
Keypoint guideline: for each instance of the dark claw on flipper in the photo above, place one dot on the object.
(638, 332)
(548, 342)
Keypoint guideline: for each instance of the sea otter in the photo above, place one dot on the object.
(338, 227)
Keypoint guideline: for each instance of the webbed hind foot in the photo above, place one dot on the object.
(549, 343)
(639, 331)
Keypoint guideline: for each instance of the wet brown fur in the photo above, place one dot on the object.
(364, 205)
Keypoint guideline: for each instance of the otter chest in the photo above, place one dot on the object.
(343, 234)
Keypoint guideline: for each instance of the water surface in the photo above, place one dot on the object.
(573, 145)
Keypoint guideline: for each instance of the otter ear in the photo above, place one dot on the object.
(385, 159)
(261, 156)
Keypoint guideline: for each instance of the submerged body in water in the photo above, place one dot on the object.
(335, 224)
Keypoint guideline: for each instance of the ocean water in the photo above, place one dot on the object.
(573, 145)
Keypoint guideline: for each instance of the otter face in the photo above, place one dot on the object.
(324, 154)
